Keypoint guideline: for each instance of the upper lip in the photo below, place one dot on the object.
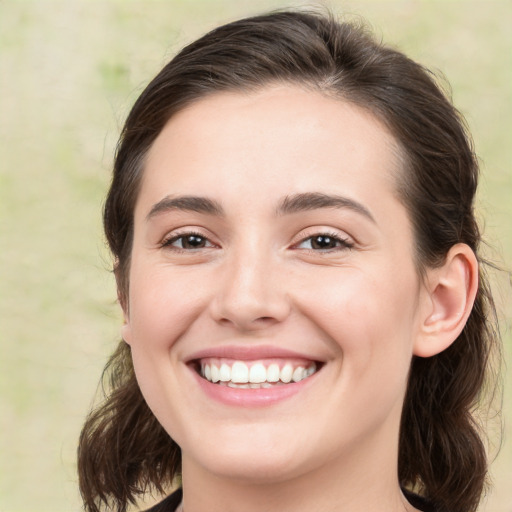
(248, 353)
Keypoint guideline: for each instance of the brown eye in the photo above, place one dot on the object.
(188, 241)
(193, 242)
(324, 242)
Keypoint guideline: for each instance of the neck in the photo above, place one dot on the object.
(361, 480)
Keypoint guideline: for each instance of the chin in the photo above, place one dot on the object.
(251, 455)
(254, 468)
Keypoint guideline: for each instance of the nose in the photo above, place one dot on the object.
(252, 295)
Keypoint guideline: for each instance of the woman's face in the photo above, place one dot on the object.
(269, 245)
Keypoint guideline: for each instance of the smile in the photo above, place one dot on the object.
(255, 374)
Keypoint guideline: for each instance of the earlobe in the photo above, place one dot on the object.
(126, 331)
(451, 293)
(123, 302)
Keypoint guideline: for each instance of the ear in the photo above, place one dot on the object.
(126, 329)
(451, 290)
(123, 302)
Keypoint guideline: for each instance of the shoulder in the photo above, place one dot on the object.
(169, 504)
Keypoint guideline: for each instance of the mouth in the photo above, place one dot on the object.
(256, 374)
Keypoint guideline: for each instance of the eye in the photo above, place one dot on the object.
(188, 241)
(324, 242)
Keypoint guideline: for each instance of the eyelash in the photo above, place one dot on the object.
(167, 243)
(342, 243)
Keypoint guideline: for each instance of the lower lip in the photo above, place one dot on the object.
(260, 397)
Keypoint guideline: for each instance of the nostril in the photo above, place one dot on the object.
(245, 323)
(249, 303)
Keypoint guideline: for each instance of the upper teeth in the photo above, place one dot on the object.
(238, 372)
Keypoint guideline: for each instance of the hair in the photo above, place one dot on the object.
(123, 450)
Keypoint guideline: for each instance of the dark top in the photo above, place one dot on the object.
(170, 504)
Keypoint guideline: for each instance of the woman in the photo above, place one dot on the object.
(296, 253)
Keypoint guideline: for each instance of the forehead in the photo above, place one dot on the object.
(284, 136)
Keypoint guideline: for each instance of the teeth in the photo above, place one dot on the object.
(273, 373)
(240, 375)
(298, 374)
(257, 374)
(239, 386)
(225, 373)
(287, 373)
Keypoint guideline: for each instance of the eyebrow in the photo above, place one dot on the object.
(186, 203)
(288, 205)
(316, 200)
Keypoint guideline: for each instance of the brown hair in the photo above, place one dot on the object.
(123, 449)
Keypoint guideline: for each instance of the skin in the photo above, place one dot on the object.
(359, 307)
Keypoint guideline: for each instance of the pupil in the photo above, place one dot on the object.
(194, 241)
(322, 242)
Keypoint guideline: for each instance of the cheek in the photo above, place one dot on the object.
(163, 304)
(369, 318)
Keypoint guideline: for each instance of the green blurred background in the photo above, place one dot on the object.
(69, 72)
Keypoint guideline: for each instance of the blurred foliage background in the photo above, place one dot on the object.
(69, 72)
